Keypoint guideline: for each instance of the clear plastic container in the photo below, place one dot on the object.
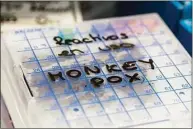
(32, 58)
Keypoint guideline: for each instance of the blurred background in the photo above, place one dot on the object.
(176, 14)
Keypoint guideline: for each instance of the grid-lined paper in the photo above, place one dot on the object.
(164, 91)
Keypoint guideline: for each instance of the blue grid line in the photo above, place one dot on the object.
(95, 52)
(161, 47)
(166, 54)
(173, 63)
(142, 73)
(131, 86)
(165, 78)
(175, 91)
(75, 33)
(134, 110)
(105, 115)
(91, 86)
(49, 85)
(127, 98)
(68, 82)
(101, 63)
(113, 88)
(146, 78)
(106, 74)
(127, 110)
(111, 74)
(41, 29)
(122, 97)
(75, 44)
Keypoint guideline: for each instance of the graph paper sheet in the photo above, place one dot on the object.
(161, 92)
